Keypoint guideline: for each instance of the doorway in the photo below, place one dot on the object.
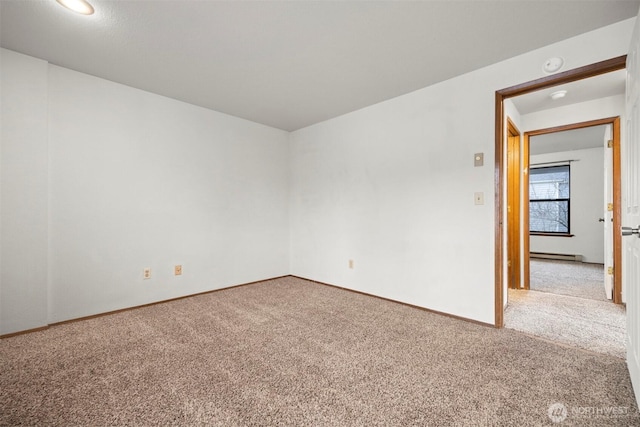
(564, 194)
(591, 169)
(501, 270)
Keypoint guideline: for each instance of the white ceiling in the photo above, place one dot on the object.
(575, 139)
(601, 86)
(290, 64)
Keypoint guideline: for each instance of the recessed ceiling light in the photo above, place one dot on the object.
(79, 6)
(558, 94)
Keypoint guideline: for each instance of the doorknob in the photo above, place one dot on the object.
(628, 231)
(600, 219)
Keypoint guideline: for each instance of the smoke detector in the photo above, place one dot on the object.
(553, 65)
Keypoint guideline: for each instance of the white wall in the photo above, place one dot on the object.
(511, 112)
(23, 201)
(391, 186)
(601, 108)
(587, 201)
(133, 180)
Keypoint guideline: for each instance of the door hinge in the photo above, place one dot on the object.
(610, 271)
(610, 207)
(610, 143)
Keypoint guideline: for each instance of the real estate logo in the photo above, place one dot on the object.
(557, 412)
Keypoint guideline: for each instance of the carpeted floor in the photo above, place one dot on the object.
(568, 278)
(567, 304)
(293, 352)
(598, 326)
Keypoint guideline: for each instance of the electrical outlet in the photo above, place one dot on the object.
(478, 198)
(146, 273)
(177, 270)
(350, 263)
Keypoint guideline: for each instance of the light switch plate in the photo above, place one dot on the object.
(478, 159)
(479, 198)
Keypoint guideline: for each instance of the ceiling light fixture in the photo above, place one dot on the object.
(558, 94)
(79, 6)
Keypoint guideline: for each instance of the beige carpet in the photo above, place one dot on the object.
(291, 352)
(568, 278)
(598, 326)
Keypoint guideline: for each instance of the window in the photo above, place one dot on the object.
(549, 199)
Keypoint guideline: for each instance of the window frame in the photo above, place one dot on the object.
(567, 199)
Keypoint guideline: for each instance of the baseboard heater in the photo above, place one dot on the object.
(561, 257)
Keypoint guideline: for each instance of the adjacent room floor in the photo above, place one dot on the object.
(567, 304)
(575, 279)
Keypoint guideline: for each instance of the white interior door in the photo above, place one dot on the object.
(631, 211)
(607, 215)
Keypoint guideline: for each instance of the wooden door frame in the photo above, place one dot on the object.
(617, 202)
(569, 76)
(513, 202)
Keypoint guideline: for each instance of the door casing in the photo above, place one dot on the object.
(592, 70)
(513, 205)
(617, 208)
